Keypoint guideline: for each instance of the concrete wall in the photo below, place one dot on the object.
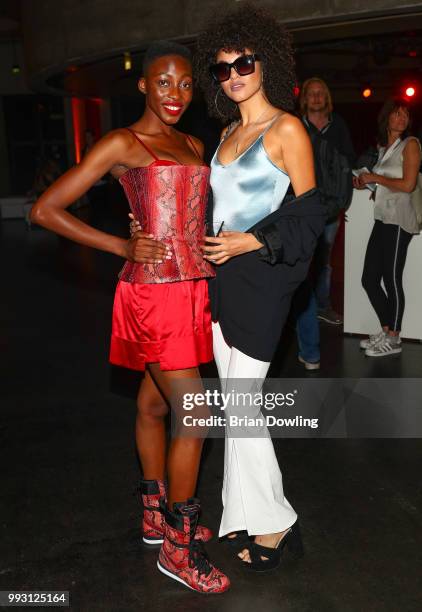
(57, 34)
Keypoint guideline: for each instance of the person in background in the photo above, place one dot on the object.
(395, 174)
(304, 307)
(316, 108)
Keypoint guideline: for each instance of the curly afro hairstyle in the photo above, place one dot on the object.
(250, 28)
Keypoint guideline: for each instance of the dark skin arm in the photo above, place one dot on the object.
(114, 153)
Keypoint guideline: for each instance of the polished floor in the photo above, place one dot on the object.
(69, 513)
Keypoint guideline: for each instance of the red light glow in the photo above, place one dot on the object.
(410, 92)
(367, 92)
(78, 120)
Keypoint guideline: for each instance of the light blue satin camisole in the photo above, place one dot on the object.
(248, 189)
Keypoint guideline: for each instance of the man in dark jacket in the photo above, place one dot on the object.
(310, 304)
(317, 113)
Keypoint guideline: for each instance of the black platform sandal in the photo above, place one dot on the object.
(292, 540)
(239, 541)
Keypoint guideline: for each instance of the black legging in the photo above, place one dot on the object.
(384, 260)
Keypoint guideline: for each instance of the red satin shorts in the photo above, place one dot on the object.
(165, 323)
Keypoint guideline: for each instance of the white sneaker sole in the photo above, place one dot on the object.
(146, 541)
(171, 575)
(395, 351)
(309, 365)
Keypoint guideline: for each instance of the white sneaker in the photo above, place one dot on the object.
(372, 340)
(309, 365)
(384, 347)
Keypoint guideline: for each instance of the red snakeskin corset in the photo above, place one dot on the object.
(169, 200)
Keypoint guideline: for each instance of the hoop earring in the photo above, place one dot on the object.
(216, 104)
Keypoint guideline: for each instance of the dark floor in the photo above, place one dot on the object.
(69, 515)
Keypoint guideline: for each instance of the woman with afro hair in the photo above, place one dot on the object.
(245, 68)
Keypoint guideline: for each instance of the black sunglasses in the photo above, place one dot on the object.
(245, 64)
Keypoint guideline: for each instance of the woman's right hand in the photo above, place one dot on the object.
(357, 184)
(143, 248)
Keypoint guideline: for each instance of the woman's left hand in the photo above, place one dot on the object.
(228, 245)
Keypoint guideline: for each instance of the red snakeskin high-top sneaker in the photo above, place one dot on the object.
(152, 491)
(182, 557)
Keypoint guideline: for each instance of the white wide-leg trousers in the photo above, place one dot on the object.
(253, 496)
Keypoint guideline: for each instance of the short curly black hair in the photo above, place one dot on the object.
(248, 27)
(160, 48)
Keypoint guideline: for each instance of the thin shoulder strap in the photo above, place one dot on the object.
(273, 120)
(230, 128)
(193, 146)
(150, 151)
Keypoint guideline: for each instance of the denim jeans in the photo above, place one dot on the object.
(307, 324)
(322, 262)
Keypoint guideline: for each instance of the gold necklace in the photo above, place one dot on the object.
(236, 148)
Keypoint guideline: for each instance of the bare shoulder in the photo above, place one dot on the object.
(413, 146)
(116, 143)
(289, 126)
(110, 151)
(120, 139)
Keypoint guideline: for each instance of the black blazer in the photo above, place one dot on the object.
(251, 294)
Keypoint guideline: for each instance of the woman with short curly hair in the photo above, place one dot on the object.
(245, 67)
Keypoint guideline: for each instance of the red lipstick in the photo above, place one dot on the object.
(173, 108)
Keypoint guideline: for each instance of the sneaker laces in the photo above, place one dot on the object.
(198, 558)
(377, 336)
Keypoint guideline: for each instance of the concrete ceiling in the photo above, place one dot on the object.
(350, 43)
(349, 56)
